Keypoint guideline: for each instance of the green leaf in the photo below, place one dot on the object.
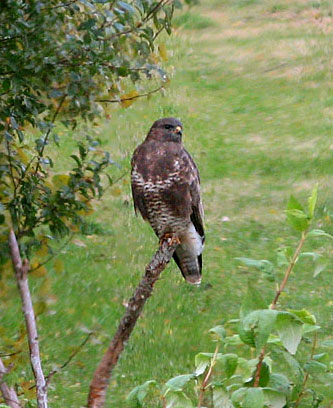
(312, 201)
(246, 368)
(289, 328)
(315, 367)
(221, 398)
(127, 7)
(296, 216)
(262, 265)
(321, 357)
(309, 328)
(253, 398)
(139, 393)
(303, 315)
(177, 383)
(273, 399)
(229, 363)
(319, 233)
(176, 399)
(257, 326)
(295, 368)
(218, 333)
(237, 397)
(233, 340)
(280, 383)
(202, 361)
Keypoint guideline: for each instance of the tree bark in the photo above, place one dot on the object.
(102, 375)
(21, 272)
(8, 393)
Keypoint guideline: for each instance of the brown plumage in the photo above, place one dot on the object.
(166, 191)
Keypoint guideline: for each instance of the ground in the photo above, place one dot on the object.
(251, 83)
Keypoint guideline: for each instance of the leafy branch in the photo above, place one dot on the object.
(245, 380)
(301, 221)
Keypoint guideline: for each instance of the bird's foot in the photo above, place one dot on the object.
(170, 238)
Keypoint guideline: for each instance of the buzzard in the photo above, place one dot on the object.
(166, 191)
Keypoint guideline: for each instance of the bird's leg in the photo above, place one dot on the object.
(170, 238)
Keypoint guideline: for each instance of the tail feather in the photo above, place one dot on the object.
(189, 264)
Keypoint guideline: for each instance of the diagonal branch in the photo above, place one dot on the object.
(21, 272)
(8, 393)
(102, 375)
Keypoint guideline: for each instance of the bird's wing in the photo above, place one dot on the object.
(137, 185)
(197, 215)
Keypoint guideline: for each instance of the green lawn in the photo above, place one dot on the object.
(253, 86)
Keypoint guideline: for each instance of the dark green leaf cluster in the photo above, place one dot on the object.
(58, 201)
(58, 61)
(77, 49)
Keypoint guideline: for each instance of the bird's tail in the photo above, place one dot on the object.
(189, 263)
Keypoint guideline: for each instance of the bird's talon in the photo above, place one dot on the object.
(170, 238)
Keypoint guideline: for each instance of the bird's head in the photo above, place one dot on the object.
(166, 130)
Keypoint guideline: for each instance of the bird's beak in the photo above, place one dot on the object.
(179, 130)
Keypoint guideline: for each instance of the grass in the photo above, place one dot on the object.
(252, 87)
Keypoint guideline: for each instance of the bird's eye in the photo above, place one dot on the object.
(168, 127)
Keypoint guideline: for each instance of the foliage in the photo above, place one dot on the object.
(263, 359)
(61, 63)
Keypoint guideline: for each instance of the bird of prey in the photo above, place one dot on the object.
(166, 191)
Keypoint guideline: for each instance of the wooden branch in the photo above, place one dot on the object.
(21, 272)
(8, 393)
(102, 375)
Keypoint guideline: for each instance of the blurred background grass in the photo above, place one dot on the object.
(252, 84)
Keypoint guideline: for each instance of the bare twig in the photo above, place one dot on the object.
(258, 368)
(276, 298)
(10, 354)
(207, 377)
(8, 393)
(101, 379)
(70, 358)
(289, 269)
(53, 255)
(21, 272)
(132, 97)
